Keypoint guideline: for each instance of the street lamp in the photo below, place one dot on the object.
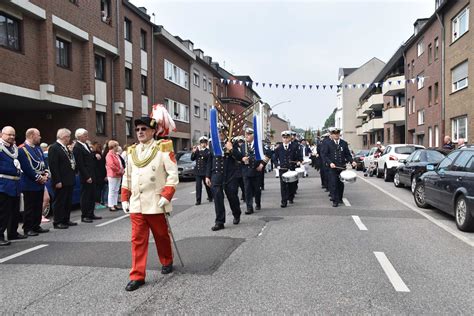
(287, 101)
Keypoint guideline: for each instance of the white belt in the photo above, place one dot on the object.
(6, 176)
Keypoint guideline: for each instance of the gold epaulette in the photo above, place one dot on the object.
(131, 148)
(166, 145)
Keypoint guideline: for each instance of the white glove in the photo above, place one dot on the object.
(126, 207)
(162, 202)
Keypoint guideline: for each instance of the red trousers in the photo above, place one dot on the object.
(141, 225)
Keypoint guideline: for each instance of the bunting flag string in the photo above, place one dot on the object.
(364, 85)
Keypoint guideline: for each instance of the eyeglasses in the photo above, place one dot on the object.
(141, 129)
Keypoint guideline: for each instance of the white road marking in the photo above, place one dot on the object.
(192, 192)
(174, 199)
(346, 202)
(428, 217)
(21, 253)
(359, 222)
(263, 228)
(391, 273)
(113, 220)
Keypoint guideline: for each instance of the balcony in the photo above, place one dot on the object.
(365, 107)
(394, 115)
(374, 124)
(375, 102)
(397, 86)
(360, 113)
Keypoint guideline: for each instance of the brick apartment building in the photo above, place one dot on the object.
(277, 125)
(423, 55)
(459, 61)
(64, 66)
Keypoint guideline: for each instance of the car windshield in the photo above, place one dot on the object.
(432, 156)
(405, 150)
(362, 152)
(185, 157)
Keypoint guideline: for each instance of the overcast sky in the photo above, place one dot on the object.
(292, 42)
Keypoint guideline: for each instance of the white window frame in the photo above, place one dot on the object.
(436, 49)
(196, 78)
(462, 82)
(209, 82)
(436, 136)
(455, 24)
(204, 82)
(181, 109)
(197, 110)
(409, 105)
(421, 117)
(455, 128)
(420, 47)
(176, 75)
(420, 81)
(204, 111)
(430, 137)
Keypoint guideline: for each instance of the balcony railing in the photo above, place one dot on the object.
(397, 86)
(394, 115)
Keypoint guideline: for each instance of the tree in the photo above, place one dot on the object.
(331, 121)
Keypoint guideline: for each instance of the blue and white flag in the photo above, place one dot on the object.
(257, 140)
(216, 142)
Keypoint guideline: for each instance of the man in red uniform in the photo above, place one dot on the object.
(148, 186)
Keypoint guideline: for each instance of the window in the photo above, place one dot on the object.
(128, 127)
(204, 112)
(197, 111)
(421, 117)
(446, 162)
(409, 106)
(430, 53)
(430, 97)
(73, 1)
(459, 76)
(461, 162)
(209, 85)
(204, 82)
(196, 78)
(459, 128)
(436, 136)
(430, 137)
(436, 89)
(408, 70)
(421, 80)
(128, 79)
(420, 48)
(100, 123)
(460, 24)
(105, 11)
(143, 40)
(176, 75)
(413, 68)
(9, 32)
(470, 165)
(62, 53)
(143, 85)
(436, 49)
(178, 111)
(99, 67)
(413, 108)
(127, 30)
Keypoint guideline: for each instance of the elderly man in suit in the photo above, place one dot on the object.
(87, 173)
(148, 186)
(62, 166)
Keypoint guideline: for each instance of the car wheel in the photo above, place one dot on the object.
(464, 219)
(419, 195)
(413, 184)
(377, 172)
(387, 177)
(396, 180)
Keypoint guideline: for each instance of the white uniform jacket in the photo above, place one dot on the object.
(144, 185)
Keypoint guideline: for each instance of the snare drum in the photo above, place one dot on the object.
(300, 171)
(290, 176)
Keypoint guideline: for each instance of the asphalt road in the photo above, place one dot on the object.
(378, 254)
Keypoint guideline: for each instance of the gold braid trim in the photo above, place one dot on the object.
(143, 163)
(166, 145)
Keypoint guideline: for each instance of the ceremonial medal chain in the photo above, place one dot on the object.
(140, 163)
(13, 155)
(39, 164)
(70, 156)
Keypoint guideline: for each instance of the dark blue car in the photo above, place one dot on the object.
(450, 187)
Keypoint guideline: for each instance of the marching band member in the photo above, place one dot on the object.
(336, 155)
(285, 157)
(306, 153)
(148, 186)
(221, 177)
(201, 155)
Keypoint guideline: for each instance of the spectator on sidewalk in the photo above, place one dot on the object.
(448, 144)
(101, 175)
(115, 172)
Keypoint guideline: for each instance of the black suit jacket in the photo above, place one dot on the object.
(60, 165)
(221, 170)
(329, 153)
(85, 163)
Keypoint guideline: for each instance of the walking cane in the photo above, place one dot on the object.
(172, 236)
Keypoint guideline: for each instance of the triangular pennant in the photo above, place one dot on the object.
(240, 82)
(263, 84)
(376, 84)
(354, 86)
(330, 86)
(270, 85)
(317, 87)
(256, 84)
(289, 86)
(228, 81)
(310, 86)
(296, 86)
(399, 82)
(389, 83)
(247, 83)
(234, 81)
(362, 85)
(283, 86)
(413, 80)
(324, 86)
(304, 86)
(276, 85)
(222, 80)
(339, 86)
(346, 86)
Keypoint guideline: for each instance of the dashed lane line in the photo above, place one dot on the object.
(359, 222)
(428, 217)
(113, 220)
(346, 202)
(192, 192)
(21, 253)
(391, 273)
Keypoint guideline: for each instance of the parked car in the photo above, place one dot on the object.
(389, 161)
(370, 158)
(449, 186)
(186, 166)
(359, 158)
(414, 166)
